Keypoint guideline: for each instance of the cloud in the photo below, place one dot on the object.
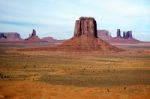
(17, 23)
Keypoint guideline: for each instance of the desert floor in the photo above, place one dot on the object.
(74, 75)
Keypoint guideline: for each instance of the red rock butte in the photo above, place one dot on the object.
(85, 26)
(10, 37)
(85, 38)
(33, 38)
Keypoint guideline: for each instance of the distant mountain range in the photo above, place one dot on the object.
(102, 34)
(15, 37)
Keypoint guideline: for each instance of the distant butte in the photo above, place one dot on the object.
(33, 37)
(126, 38)
(10, 37)
(86, 38)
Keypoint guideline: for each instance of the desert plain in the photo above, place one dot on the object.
(74, 75)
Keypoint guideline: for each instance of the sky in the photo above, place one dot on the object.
(56, 18)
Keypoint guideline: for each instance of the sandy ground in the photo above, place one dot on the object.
(38, 90)
(48, 75)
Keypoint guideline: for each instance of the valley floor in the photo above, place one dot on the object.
(63, 75)
(38, 90)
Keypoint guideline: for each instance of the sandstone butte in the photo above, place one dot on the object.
(85, 39)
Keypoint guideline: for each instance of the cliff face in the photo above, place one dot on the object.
(118, 33)
(127, 35)
(10, 36)
(85, 26)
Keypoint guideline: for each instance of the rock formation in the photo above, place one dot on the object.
(128, 35)
(49, 39)
(10, 36)
(2, 36)
(85, 26)
(52, 40)
(33, 37)
(124, 34)
(33, 33)
(85, 38)
(104, 34)
(126, 38)
(119, 33)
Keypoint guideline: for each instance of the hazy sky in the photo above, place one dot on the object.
(56, 18)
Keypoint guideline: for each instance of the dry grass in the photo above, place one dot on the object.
(58, 75)
(38, 90)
